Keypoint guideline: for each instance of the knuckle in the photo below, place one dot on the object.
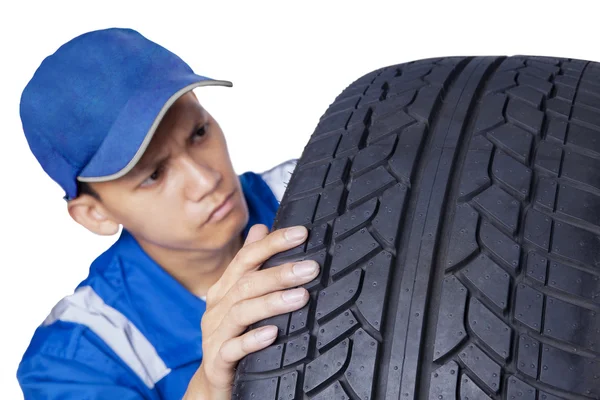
(245, 286)
(285, 274)
(272, 303)
(224, 355)
(238, 316)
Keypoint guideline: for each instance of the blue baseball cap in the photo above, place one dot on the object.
(91, 108)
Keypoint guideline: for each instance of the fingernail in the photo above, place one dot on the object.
(305, 268)
(293, 296)
(267, 333)
(296, 233)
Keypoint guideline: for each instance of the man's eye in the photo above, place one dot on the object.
(201, 131)
(153, 178)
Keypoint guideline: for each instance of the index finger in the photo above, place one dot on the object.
(255, 252)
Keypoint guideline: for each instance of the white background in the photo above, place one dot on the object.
(287, 60)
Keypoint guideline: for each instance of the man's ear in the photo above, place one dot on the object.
(89, 212)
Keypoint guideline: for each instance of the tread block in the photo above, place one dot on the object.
(307, 179)
(489, 328)
(586, 115)
(567, 94)
(333, 122)
(566, 81)
(574, 282)
(500, 245)
(463, 241)
(528, 356)
(402, 162)
(329, 203)
(337, 171)
(328, 364)
(517, 389)
(444, 382)
(367, 185)
(296, 350)
(527, 95)
(548, 157)
(584, 138)
(525, 116)
(337, 327)
(320, 150)
(545, 196)
(582, 169)
(501, 82)
(388, 125)
(281, 321)
(294, 212)
(528, 307)
(470, 390)
(538, 228)
(361, 369)
(317, 237)
(570, 372)
(576, 244)
(539, 73)
(439, 75)
(267, 359)
(372, 155)
(558, 107)
(490, 279)
(423, 105)
(400, 87)
(557, 130)
(512, 174)
(349, 221)
(541, 85)
(299, 318)
(450, 331)
(513, 140)
(491, 113)
(486, 369)
(338, 295)
(287, 386)
(475, 171)
(259, 388)
(371, 301)
(390, 212)
(579, 205)
(392, 104)
(335, 391)
(500, 206)
(571, 324)
(352, 250)
(348, 103)
(351, 140)
(537, 266)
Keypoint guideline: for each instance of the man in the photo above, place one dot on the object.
(112, 118)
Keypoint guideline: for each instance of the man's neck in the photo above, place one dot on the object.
(196, 271)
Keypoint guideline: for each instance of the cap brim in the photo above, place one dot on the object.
(130, 135)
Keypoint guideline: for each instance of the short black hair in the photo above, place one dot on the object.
(86, 188)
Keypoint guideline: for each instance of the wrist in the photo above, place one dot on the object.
(198, 388)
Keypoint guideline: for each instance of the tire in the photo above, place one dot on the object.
(454, 206)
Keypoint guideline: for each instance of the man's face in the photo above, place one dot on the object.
(183, 176)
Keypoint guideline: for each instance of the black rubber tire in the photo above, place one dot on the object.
(454, 206)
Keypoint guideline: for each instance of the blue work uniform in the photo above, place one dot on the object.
(130, 330)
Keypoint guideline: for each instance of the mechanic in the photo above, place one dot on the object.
(112, 117)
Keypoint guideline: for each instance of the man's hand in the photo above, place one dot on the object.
(245, 295)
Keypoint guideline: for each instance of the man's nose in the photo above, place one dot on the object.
(200, 179)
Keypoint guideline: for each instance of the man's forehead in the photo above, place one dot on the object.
(185, 113)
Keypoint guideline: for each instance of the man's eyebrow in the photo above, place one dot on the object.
(149, 165)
